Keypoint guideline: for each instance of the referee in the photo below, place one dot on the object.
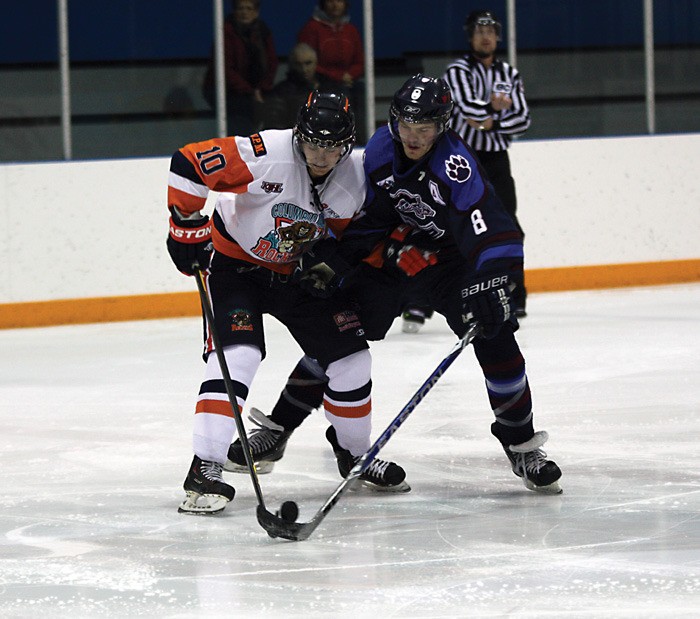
(490, 109)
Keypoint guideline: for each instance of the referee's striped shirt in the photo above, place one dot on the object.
(472, 84)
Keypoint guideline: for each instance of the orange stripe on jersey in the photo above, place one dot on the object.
(214, 407)
(218, 163)
(185, 202)
(352, 412)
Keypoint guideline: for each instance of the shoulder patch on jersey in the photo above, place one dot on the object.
(501, 87)
(258, 145)
(268, 187)
(458, 168)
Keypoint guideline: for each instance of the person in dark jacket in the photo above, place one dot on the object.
(250, 65)
(286, 97)
(341, 58)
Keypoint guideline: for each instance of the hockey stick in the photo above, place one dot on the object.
(298, 531)
(230, 391)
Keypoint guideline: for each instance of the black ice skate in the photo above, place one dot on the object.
(381, 475)
(207, 492)
(530, 463)
(267, 442)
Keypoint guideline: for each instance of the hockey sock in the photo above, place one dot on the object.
(302, 394)
(508, 389)
(348, 401)
(214, 423)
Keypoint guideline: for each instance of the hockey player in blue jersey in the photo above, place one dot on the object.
(431, 227)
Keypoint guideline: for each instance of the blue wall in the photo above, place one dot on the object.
(120, 30)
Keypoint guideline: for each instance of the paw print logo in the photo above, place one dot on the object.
(458, 168)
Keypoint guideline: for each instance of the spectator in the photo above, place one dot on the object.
(283, 102)
(490, 109)
(338, 44)
(250, 65)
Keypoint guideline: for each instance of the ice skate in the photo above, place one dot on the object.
(381, 475)
(530, 463)
(267, 442)
(207, 493)
(413, 320)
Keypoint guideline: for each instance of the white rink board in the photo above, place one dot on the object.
(98, 228)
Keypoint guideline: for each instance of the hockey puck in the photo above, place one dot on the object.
(289, 511)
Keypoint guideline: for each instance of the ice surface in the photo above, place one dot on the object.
(95, 426)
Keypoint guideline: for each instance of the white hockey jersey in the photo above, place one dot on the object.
(268, 211)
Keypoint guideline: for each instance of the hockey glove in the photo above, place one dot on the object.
(320, 280)
(189, 242)
(488, 300)
(321, 270)
(407, 258)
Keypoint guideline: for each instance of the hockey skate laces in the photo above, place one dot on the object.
(531, 461)
(212, 470)
(377, 468)
(265, 434)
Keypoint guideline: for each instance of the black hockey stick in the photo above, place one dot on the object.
(230, 391)
(298, 531)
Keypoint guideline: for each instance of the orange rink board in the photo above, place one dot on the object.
(180, 304)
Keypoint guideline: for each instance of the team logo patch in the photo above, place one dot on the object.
(240, 320)
(258, 145)
(346, 320)
(503, 88)
(412, 203)
(458, 168)
(271, 187)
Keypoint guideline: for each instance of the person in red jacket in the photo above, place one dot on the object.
(250, 65)
(338, 45)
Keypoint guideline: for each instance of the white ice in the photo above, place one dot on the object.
(95, 425)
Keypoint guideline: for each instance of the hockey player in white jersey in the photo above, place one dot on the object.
(279, 193)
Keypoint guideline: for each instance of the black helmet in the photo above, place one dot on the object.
(326, 120)
(481, 18)
(422, 99)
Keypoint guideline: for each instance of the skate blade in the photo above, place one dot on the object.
(553, 488)
(403, 487)
(202, 504)
(261, 468)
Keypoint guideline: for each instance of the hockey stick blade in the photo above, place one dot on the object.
(299, 531)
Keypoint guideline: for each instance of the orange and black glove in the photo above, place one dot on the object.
(189, 242)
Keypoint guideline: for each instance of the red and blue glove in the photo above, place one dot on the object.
(398, 254)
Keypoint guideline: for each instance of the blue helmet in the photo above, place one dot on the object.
(422, 99)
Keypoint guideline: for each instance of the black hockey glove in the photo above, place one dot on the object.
(189, 242)
(321, 271)
(407, 258)
(487, 299)
(320, 280)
